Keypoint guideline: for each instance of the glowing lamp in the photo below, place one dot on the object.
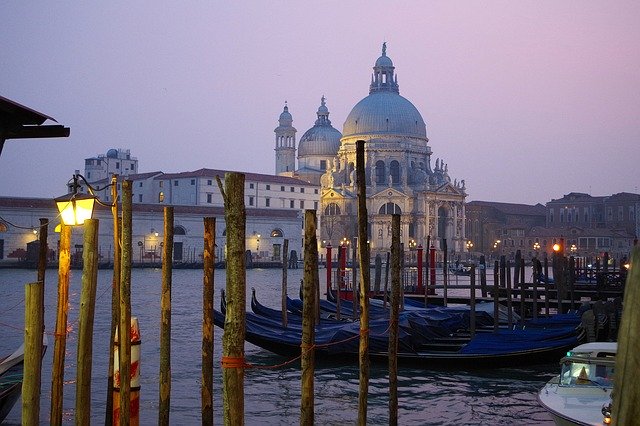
(75, 208)
(556, 247)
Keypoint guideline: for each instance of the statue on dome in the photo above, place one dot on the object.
(384, 48)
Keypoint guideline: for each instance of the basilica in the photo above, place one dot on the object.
(401, 178)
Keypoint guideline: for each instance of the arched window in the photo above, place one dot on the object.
(381, 172)
(332, 210)
(179, 230)
(390, 208)
(224, 233)
(394, 171)
(276, 233)
(3, 227)
(161, 197)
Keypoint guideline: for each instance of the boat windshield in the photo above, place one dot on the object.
(587, 373)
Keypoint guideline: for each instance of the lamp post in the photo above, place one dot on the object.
(76, 209)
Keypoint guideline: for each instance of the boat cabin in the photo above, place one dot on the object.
(591, 364)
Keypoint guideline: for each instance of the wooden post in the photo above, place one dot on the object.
(32, 358)
(483, 276)
(354, 287)
(497, 273)
(516, 269)
(234, 322)
(572, 281)
(509, 296)
(420, 288)
(85, 321)
(122, 409)
(445, 271)
(329, 267)
(365, 278)
(208, 290)
(308, 318)
(626, 392)
(386, 281)
(33, 332)
(472, 301)
(523, 290)
(378, 274)
(164, 392)
(393, 321)
(59, 349)
(115, 295)
(546, 284)
(283, 304)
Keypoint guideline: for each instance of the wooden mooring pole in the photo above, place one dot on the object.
(208, 290)
(472, 301)
(115, 296)
(122, 409)
(234, 322)
(164, 405)
(59, 349)
(283, 298)
(626, 392)
(310, 283)
(33, 334)
(393, 320)
(365, 278)
(85, 321)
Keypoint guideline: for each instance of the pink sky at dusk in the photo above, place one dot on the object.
(526, 101)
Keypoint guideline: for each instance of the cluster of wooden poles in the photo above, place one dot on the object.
(233, 361)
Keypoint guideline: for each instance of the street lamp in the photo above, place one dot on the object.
(536, 247)
(76, 207)
(469, 245)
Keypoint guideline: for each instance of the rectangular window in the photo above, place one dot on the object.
(209, 182)
(117, 164)
(315, 205)
(209, 197)
(620, 213)
(89, 175)
(250, 201)
(323, 164)
(315, 191)
(282, 188)
(139, 198)
(302, 204)
(268, 187)
(161, 184)
(291, 204)
(293, 189)
(175, 183)
(140, 184)
(267, 202)
(250, 186)
(302, 190)
(193, 181)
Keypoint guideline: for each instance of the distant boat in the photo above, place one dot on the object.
(579, 395)
(11, 374)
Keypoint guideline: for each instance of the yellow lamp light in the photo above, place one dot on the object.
(556, 247)
(75, 208)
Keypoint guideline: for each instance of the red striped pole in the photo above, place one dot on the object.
(420, 290)
(328, 269)
(432, 267)
(134, 408)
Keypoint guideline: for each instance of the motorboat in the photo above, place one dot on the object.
(583, 388)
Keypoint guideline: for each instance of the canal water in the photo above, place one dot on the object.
(272, 396)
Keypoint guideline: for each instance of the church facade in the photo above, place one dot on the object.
(400, 176)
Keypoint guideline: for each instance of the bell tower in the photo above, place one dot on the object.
(285, 144)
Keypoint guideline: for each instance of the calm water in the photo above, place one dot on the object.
(499, 396)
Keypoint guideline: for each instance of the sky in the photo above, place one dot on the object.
(524, 100)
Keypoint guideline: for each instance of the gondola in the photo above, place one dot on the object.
(426, 339)
(11, 374)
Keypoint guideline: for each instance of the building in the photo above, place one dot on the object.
(116, 161)
(399, 174)
(266, 231)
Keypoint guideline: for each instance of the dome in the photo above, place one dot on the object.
(285, 116)
(385, 113)
(322, 138)
(112, 153)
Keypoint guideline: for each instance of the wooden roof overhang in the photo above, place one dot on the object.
(20, 122)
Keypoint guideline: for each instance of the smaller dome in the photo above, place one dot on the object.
(285, 116)
(384, 61)
(322, 138)
(112, 153)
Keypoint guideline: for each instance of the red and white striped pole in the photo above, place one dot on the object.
(329, 265)
(134, 409)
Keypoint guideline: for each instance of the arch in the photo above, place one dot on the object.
(394, 171)
(332, 209)
(381, 172)
(390, 208)
(224, 232)
(3, 227)
(276, 233)
(179, 230)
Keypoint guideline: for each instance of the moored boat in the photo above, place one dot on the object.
(578, 394)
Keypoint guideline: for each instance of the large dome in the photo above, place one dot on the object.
(385, 112)
(322, 138)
